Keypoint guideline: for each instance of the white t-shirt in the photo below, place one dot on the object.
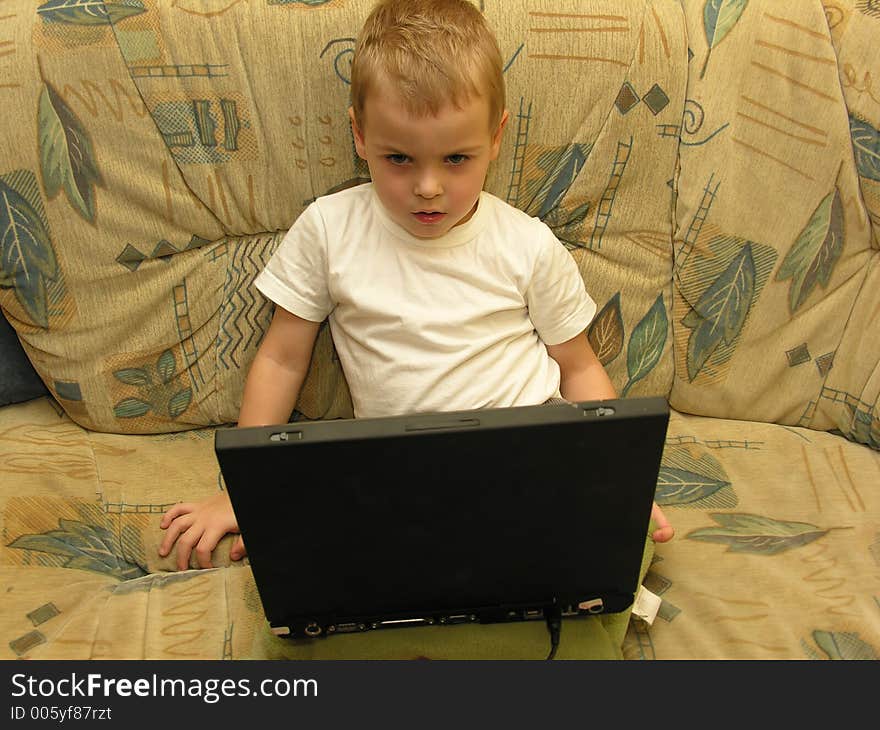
(432, 325)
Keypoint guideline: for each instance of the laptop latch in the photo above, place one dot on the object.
(593, 606)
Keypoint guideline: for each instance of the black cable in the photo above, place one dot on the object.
(553, 616)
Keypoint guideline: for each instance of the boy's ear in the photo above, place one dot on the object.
(357, 134)
(496, 138)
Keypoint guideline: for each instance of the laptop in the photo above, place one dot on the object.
(491, 515)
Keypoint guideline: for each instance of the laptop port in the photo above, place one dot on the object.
(312, 630)
(398, 622)
(533, 613)
(458, 618)
(346, 628)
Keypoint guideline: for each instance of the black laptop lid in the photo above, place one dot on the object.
(488, 515)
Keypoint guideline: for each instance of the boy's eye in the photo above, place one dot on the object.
(397, 159)
(456, 159)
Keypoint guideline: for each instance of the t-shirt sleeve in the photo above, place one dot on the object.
(296, 276)
(559, 306)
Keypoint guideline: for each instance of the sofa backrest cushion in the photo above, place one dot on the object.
(160, 149)
(774, 273)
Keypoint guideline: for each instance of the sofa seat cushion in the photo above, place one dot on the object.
(777, 546)
(776, 554)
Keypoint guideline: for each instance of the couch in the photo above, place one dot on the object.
(713, 168)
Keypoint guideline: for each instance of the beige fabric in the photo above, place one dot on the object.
(771, 244)
(848, 400)
(777, 548)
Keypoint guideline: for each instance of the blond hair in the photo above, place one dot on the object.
(431, 53)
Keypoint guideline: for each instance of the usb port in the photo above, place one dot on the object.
(349, 627)
(458, 618)
(533, 613)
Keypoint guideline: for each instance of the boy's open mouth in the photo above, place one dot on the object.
(428, 216)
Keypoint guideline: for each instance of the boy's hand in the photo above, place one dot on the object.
(663, 531)
(199, 526)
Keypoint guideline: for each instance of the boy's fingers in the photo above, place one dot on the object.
(175, 528)
(238, 549)
(658, 516)
(174, 512)
(203, 554)
(188, 536)
(206, 546)
(184, 550)
(664, 531)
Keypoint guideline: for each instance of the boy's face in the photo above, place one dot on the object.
(428, 171)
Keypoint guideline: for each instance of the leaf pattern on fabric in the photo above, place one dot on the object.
(866, 146)
(85, 546)
(748, 533)
(561, 166)
(676, 486)
(27, 259)
(66, 155)
(606, 331)
(567, 225)
(722, 310)
(134, 376)
(646, 344)
(844, 645)
(88, 12)
(163, 396)
(719, 17)
(814, 254)
(551, 172)
(861, 423)
(690, 476)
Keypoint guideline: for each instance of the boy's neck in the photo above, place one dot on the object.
(459, 234)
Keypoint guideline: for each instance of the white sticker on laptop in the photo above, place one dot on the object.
(646, 605)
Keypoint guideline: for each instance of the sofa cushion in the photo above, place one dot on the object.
(772, 247)
(204, 135)
(848, 400)
(777, 545)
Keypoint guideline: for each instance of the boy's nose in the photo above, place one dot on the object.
(428, 185)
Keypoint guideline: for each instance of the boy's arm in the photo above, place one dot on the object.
(270, 393)
(584, 378)
(278, 370)
(582, 375)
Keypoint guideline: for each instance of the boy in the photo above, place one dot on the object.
(440, 296)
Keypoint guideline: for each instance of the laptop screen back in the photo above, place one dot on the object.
(488, 514)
